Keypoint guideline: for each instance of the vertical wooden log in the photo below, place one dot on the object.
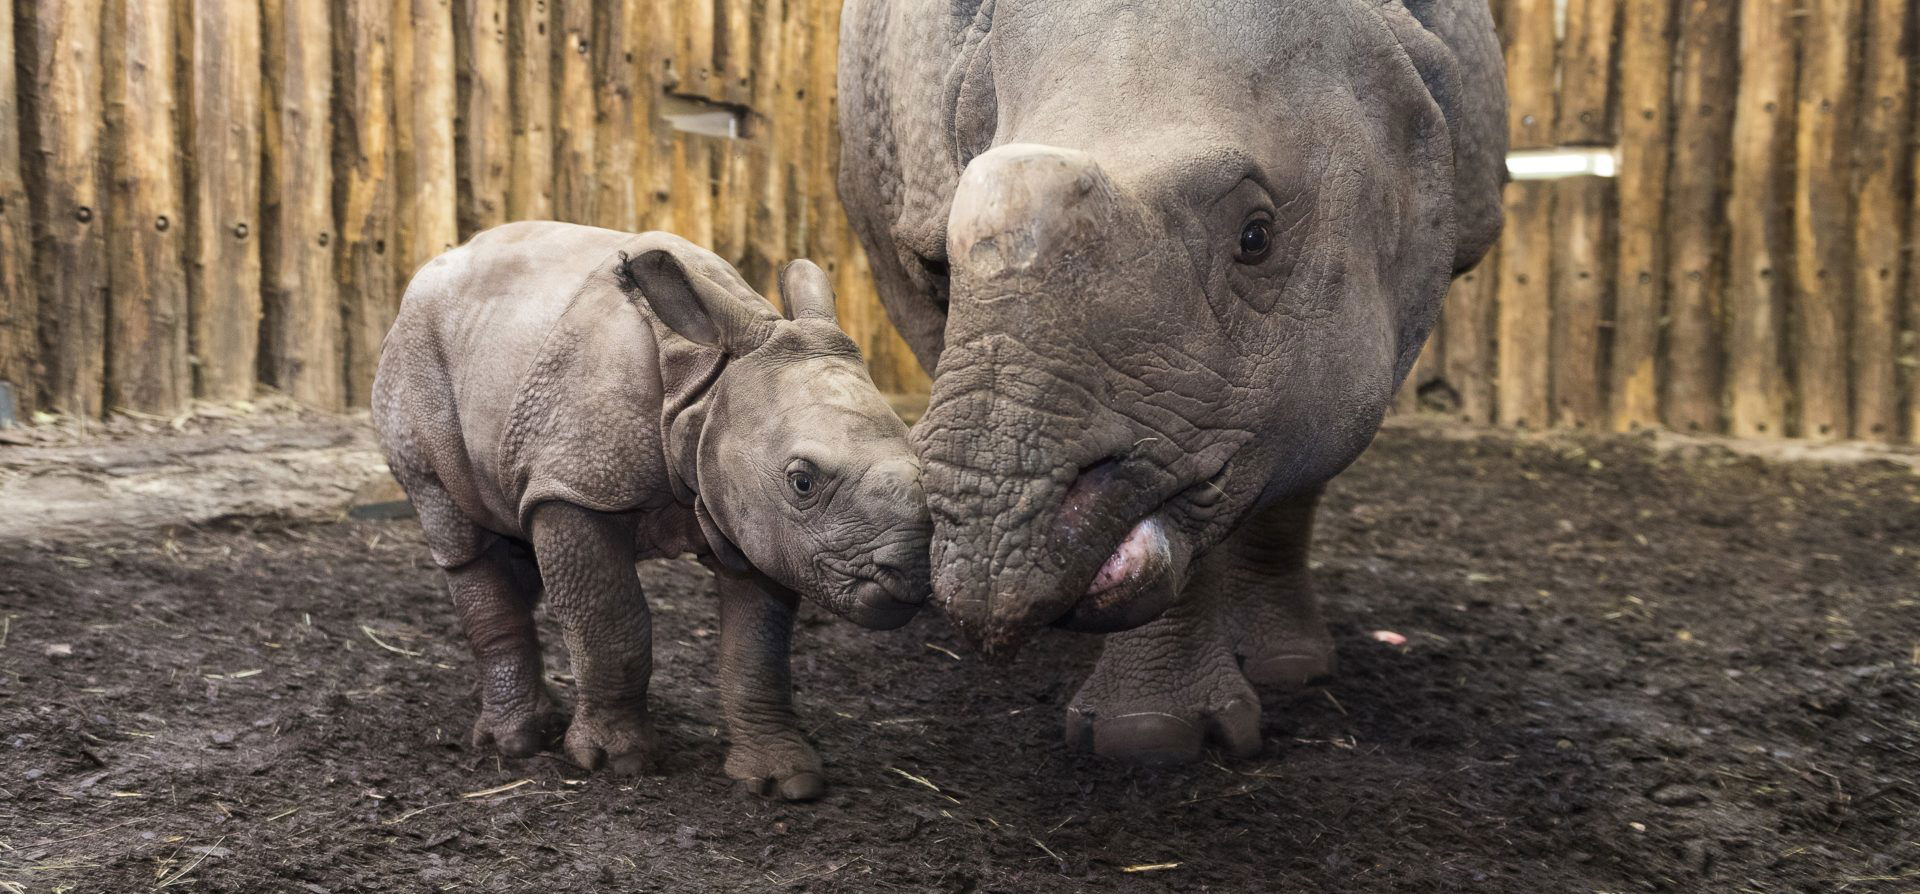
(483, 142)
(1582, 267)
(1758, 212)
(653, 174)
(1696, 226)
(363, 193)
(692, 188)
(224, 195)
(1468, 358)
(147, 368)
(301, 338)
(63, 120)
(1879, 222)
(1428, 368)
(530, 42)
(694, 55)
(766, 228)
(733, 54)
(1646, 60)
(615, 148)
(19, 299)
(423, 60)
(573, 103)
(1526, 244)
(1823, 255)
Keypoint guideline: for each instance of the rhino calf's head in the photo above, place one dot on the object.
(802, 470)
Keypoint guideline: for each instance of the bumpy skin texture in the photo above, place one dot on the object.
(1136, 401)
(560, 401)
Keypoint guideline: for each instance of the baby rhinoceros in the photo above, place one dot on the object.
(560, 401)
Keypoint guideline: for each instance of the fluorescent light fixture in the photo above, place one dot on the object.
(1555, 164)
(693, 115)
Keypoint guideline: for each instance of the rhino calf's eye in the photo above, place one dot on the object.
(1256, 239)
(801, 482)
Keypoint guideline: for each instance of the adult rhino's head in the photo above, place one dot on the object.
(1194, 250)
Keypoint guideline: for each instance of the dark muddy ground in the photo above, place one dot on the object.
(1625, 672)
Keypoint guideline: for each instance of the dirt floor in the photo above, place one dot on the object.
(1625, 671)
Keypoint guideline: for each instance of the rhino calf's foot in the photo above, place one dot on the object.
(1160, 694)
(766, 754)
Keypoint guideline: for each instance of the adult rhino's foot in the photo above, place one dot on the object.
(1278, 648)
(620, 741)
(518, 727)
(1162, 693)
(777, 763)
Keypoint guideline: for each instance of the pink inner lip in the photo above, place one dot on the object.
(1142, 552)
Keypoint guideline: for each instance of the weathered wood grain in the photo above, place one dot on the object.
(424, 160)
(1758, 213)
(65, 122)
(1696, 229)
(573, 103)
(1822, 235)
(300, 351)
(224, 196)
(1469, 355)
(1646, 56)
(530, 49)
(19, 299)
(147, 369)
(484, 139)
(615, 138)
(364, 196)
(1879, 222)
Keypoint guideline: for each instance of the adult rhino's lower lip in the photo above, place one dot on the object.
(1133, 586)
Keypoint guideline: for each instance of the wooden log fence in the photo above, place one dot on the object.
(204, 198)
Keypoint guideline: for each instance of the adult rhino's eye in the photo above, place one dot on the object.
(1256, 239)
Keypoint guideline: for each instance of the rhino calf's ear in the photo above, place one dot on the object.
(807, 292)
(692, 304)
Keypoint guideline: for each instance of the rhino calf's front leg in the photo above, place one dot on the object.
(586, 560)
(766, 752)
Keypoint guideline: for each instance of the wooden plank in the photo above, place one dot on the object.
(1696, 225)
(1823, 254)
(653, 172)
(1646, 59)
(364, 185)
(1528, 34)
(1526, 247)
(531, 48)
(1879, 222)
(615, 141)
(1428, 368)
(1757, 212)
(693, 57)
(147, 369)
(483, 140)
(19, 300)
(1585, 114)
(1582, 267)
(1468, 358)
(692, 190)
(62, 98)
(300, 298)
(223, 194)
(767, 226)
(733, 50)
(423, 60)
(574, 190)
(1582, 281)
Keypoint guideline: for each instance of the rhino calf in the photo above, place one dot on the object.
(560, 401)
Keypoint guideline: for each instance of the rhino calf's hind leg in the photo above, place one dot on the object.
(766, 751)
(586, 560)
(495, 594)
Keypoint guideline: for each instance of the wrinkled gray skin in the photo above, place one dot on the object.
(560, 401)
(1133, 411)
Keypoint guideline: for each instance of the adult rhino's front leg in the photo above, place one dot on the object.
(1162, 692)
(587, 562)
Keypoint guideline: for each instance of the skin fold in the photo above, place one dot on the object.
(561, 401)
(1167, 263)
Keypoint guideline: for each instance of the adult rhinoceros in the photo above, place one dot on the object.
(1168, 262)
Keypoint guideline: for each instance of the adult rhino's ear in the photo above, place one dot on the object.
(701, 298)
(1466, 74)
(808, 292)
